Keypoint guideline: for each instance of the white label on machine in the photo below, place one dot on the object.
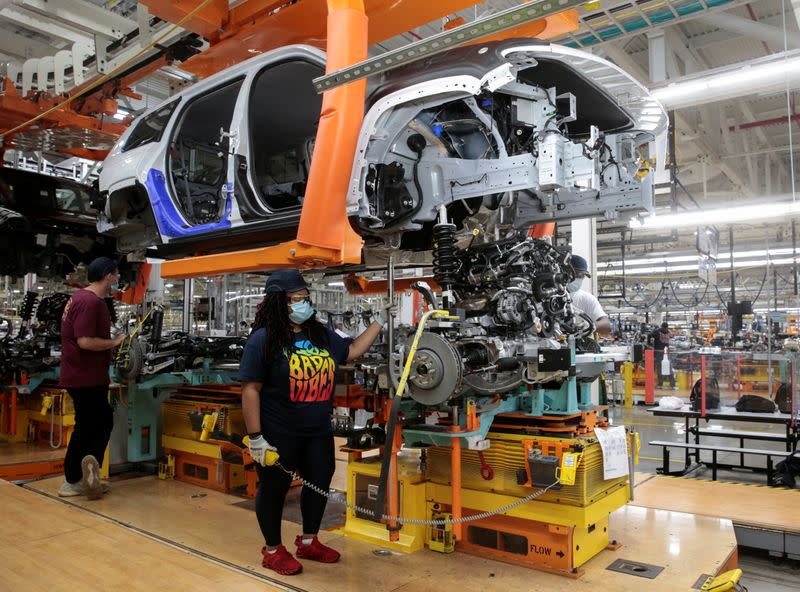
(614, 442)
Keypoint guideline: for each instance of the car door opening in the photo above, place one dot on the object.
(284, 112)
(198, 155)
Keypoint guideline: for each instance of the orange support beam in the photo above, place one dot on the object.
(135, 293)
(455, 484)
(361, 286)
(545, 230)
(257, 26)
(324, 236)
(393, 489)
(209, 21)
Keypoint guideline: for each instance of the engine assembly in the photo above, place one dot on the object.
(149, 350)
(517, 320)
(36, 344)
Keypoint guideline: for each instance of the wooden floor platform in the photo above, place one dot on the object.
(742, 503)
(206, 524)
(46, 546)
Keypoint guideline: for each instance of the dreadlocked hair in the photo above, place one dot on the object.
(272, 315)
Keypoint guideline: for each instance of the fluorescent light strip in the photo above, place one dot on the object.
(779, 70)
(708, 312)
(674, 268)
(718, 216)
(684, 258)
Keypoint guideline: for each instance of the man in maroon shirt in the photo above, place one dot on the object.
(86, 346)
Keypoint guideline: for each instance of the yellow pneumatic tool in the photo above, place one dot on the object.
(725, 581)
(209, 421)
(270, 456)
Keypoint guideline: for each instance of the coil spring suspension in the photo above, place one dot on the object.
(26, 312)
(28, 306)
(445, 259)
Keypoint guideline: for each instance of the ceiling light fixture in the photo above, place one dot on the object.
(178, 74)
(690, 267)
(772, 72)
(737, 255)
(121, 114)
(752, 213)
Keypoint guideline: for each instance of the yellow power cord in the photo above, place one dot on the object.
(131, 337)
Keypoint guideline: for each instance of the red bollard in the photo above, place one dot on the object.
(649, 377)
(739, 375)
(702, 386)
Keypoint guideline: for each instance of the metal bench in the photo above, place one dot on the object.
(770, 454)
(740, 434)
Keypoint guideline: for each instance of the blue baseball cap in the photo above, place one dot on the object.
(285, 280)
(580, 265)
(100, 268)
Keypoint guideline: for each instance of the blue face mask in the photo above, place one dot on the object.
(301, 312)
(574, 285)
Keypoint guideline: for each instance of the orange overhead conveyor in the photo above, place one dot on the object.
(324, 236)
(74, 130)
(255, 26)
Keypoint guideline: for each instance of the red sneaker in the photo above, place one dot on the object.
(281, 561)
(316, 551)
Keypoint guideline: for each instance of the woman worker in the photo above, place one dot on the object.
(288, 374)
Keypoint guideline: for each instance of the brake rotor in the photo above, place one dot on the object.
(131, 362)
(436, 371)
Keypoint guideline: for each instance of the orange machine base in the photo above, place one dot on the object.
(212, 473)
(31, 470)
(542, 546)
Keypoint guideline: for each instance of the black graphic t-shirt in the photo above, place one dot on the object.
(297, 391)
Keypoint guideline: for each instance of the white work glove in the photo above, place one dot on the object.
(258, 449)
(381, 316)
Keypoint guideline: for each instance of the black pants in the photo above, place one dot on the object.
(659, 356)
(313, 458)
(94, 420)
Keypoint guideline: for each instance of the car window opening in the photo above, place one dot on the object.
(149, 128)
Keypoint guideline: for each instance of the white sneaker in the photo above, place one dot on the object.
(70, 489)
(91, 477)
